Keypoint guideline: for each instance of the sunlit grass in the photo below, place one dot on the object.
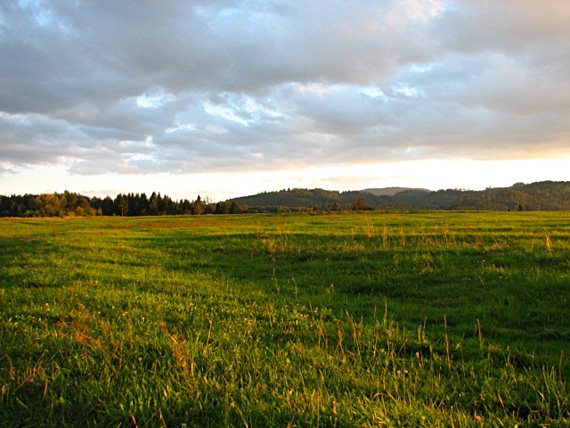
(394, 319)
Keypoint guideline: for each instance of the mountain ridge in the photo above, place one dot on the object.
(391, 191)
(542, 195)
(538, 196)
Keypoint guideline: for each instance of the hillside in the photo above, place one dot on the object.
(539, 196)
(544, 195)
(391, 191)
(313, 198)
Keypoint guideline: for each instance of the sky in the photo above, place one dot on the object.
(225, 98)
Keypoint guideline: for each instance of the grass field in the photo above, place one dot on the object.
(333, 320)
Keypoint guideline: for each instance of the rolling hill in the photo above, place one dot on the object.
(543, 195)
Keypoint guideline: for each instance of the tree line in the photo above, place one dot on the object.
(539, 196)
(131, 204)
(545, 195)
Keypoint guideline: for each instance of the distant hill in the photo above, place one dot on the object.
(391, 191)
(311, 198)
(544, 195)
(539, 196)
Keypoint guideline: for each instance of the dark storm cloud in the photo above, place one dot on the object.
(144, 86)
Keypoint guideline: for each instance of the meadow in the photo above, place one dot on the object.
(359, 319)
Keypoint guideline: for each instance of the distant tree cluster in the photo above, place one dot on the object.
(543, 195)
(47, 205)
(298, 199)
(540, 196)
(130, 204)
(359, 204)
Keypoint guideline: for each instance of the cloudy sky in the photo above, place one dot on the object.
(227, 98)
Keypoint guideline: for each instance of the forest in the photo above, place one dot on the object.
(131, 204)
(539, 196)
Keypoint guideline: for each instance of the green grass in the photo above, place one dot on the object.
(339, 320)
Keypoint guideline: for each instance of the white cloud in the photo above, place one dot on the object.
(222, 85)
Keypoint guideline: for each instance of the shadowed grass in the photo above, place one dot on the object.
(427, 319)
